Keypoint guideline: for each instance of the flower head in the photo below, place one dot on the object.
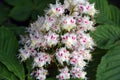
(61, 37)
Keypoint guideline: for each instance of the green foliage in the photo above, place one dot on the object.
(28, 67)
(15, 15)
(4, 11)
(107, 14)
(6, 74)
(24, 9)
(20, 13)
(106, 36)
(39, 7)
(8, 50)
(18, 30)
(115, 15)
(19, 2)
(109, 68)
(103, 11)
(92, 66)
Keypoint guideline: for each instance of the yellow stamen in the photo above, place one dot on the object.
(33, 42)
(69, 28)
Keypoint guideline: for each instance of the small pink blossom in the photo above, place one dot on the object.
(41, 59)
(69, 40)
(62, 55)
(51, 38)
(64, 74)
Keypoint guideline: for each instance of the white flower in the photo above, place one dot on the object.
(69, 39)
(90, 44)
(24, 53)
(24, 39)
(37, 39)
(56, 10)
(74, 2)
(55, 28)
(62, 55)
(64, 74)
(81, 8)
(32, 50)
(48, 23)
(41, 59)
(76, 72)
(66, 4)
(77, 60)
(37, 25)
(87, 41)
(85, 53)
(91, 9)
(85, 23)
(51, 38)
(87, 56)
(40, 74)
(68, 23)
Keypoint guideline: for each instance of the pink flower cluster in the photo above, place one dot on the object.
(61, 37)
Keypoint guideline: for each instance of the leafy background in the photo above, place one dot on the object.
(16, 15)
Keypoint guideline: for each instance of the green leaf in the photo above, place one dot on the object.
(109, 68)
(115, 15)
(4, 10)
(108, 14)
(8, 52)
(104, 11)
(28, 64)
(6, 74)
(91, 68)
(11, 2)
(19, 2)
(41, 6)
(20, 13)
(106, 36)
(18, 30)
